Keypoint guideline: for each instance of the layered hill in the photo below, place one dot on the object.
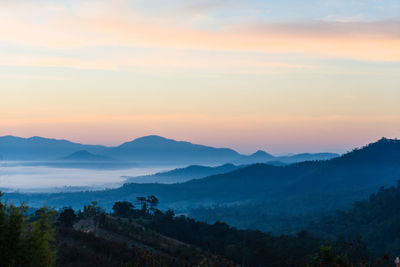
(296, 188)
(147, 150)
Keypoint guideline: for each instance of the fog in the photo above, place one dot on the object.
(15, 177)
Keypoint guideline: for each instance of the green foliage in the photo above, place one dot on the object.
(250, 248)
(123, 209)
(24, 242)
(67, 217)
(327, 257)
(92, 209)
(42, 239)
(376, 221)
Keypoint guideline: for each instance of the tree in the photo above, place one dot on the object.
(328, 258)
(92, 209)
(123, 209)
(143, 204)
(153, 202)
(26, 241)
(67, 217)
(42, 240)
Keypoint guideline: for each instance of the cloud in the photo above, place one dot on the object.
(389, 29)
(92, 24)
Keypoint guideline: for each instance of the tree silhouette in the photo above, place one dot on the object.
(123, 208)
(153, 202)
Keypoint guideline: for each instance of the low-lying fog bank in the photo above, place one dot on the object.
(23, 178)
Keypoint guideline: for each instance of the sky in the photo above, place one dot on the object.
(283, 76)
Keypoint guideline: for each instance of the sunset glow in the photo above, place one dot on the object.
(239, 74)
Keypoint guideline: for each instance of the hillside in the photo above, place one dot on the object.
(376, 220)
(142, 235)
(164, 237)
(182, 174)
(106, 240)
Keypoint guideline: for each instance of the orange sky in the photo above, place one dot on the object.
(254, 76)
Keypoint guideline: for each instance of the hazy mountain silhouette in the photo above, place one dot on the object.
(182, 174)
(264, 157)
(84, 155)
(157, 149)
(151, 150)
(306, 157)
(39, 148)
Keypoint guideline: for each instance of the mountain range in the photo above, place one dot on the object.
(148, 150)
(300, 188)
(39, 148)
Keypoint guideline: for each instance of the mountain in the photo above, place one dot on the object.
(159, 150)
(84, 155)
(39, 148)
(300, 188)
(148, 150)
(182, 174)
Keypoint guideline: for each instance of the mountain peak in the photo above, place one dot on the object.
(81, 153)
(86, 156)
(152, 138)
(261, 153)
(155, 148)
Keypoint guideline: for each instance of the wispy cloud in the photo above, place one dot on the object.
(388, 29)
(58, 26)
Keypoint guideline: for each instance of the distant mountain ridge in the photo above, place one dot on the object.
(152, 150)
(39, 148)
(159, 149)
(84, 155)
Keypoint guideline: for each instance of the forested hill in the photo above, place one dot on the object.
(144, 236)
(377, 220)
(182, 174)
(384, 151)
